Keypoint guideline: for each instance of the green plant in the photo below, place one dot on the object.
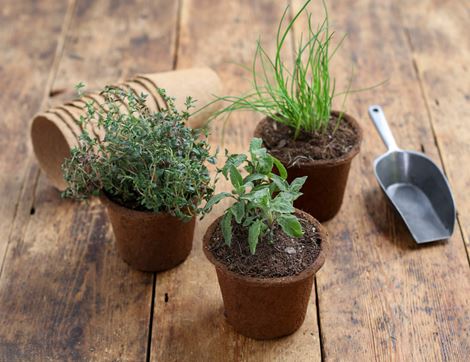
(262, 198)
(146, 161)
(300, 97)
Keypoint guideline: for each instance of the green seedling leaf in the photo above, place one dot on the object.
(253, 235)
(255, 145)
(259, 196)
(235, 177)
(290, 225)
(233, 160)
(248, 221)
(215, 200)
(280, 167)
(265, 164)
(226, 225)
(294, 195)
(238, 210)
(254, 177)
(282, 204)
(280, 182)
(297, 184)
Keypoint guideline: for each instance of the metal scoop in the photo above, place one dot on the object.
(415, 185)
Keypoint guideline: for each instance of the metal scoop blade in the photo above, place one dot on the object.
(415, 185)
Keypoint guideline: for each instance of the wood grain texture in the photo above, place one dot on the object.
(440, 44)
(110, 41)
(382, 297)
(65, 294)
(188, 322)
(26, 58)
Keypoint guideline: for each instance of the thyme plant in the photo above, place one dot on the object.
(301, 96)
(263, 199)
(146, 161)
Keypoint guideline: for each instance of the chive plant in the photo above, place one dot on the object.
(300, 97)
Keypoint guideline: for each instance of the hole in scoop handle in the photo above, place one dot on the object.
(378, 117)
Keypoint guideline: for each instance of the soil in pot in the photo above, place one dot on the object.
(149, 241)
(324, 157)
(266, 295)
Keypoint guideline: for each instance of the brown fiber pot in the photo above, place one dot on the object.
(324, 189)
(150, 241)
(266, 308)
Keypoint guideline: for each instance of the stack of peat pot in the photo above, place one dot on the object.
(56, 131)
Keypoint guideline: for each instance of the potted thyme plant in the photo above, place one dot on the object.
(149, 171)
(300, 128)
(265, 251)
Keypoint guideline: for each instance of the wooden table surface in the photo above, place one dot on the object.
(66, 295)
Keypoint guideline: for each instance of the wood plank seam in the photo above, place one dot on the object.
(317, 305)
(291, 15)
(433, 130)
(177, 34)
(155, 276)
(150, 325)
(59, 51)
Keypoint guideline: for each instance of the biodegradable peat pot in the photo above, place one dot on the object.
(52, 140)
(67, 118)
(150, 241)
(77, 110)
(266, 308)
(152, 91)
(324, 189)
(139, 89)
(200, 83)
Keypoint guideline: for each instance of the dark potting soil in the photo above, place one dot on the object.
(337, 140)
(130, 204)
(287, 256)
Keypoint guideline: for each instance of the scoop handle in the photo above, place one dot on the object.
(378, 117)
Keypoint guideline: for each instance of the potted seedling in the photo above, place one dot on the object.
(300, 128)
(149, 171)
(265, 251)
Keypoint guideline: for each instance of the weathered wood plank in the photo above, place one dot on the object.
(188, 320)
(382, 297)
(113, 40)
(26, 57)
(64, 293)
(440, 44)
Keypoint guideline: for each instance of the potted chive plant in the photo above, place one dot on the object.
(149, 171)
(300, 127)
(265, 251)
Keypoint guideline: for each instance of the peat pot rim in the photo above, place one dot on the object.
(136, 213)
(277, 281)
(347, 157)
(51, 136)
